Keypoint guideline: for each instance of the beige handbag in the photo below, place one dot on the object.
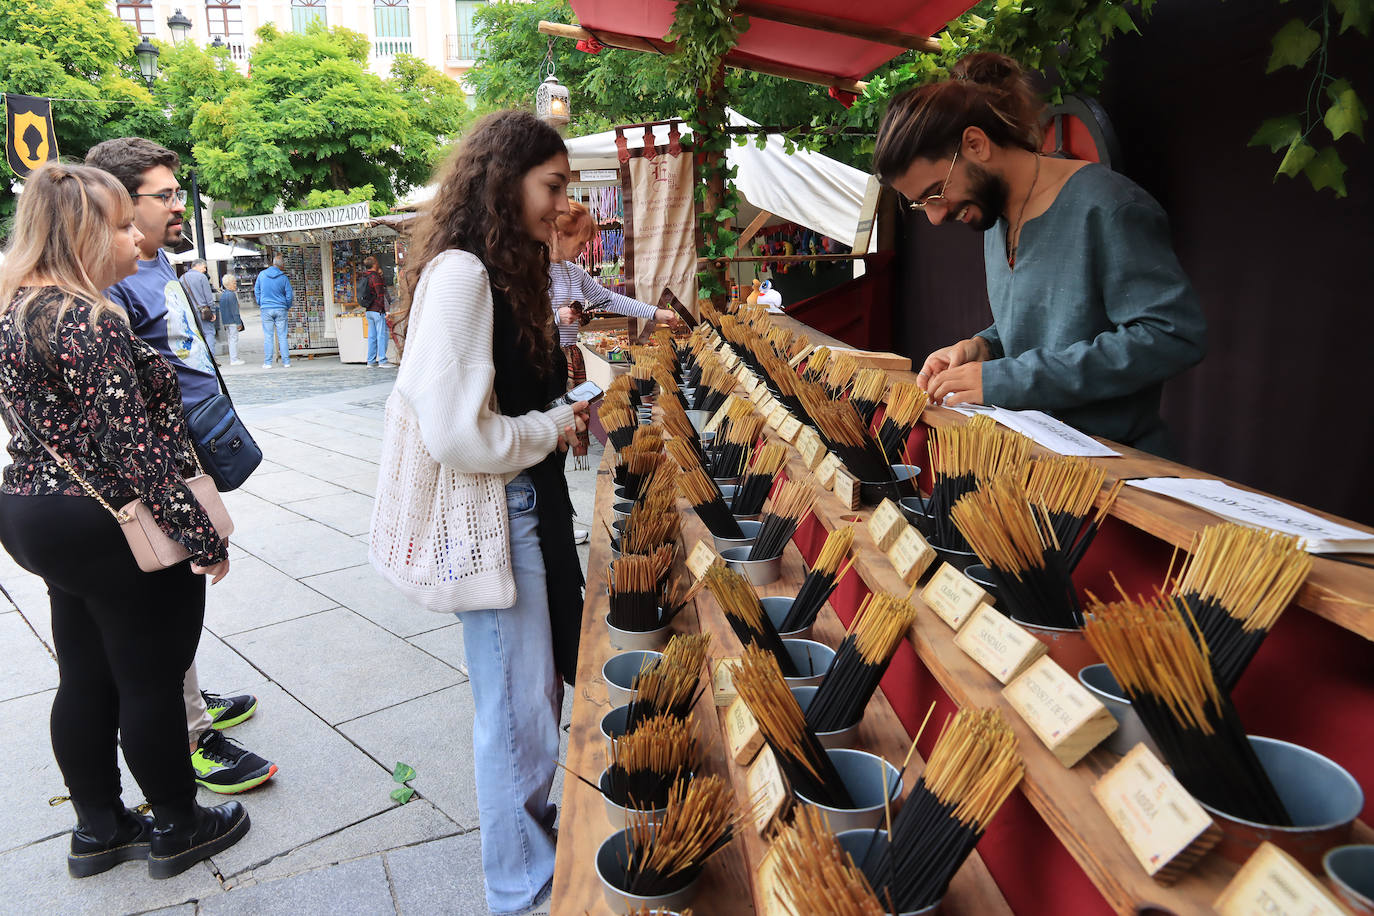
(152, 548)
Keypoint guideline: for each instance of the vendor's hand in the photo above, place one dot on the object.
(567, 315)
(216, 572)
(965, 351)
(667, 316)
(963, 384)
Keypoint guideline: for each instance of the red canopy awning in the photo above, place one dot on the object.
(806, 36)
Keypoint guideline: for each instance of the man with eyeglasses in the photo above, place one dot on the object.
(160, 313)
(1091, 310)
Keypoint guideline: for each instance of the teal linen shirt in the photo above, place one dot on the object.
(1097, 314)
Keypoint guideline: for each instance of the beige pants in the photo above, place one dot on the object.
(198, 719)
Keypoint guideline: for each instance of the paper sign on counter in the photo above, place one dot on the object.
(1272, 883)
(810, 447)
(825, 473)
(910, 555)
(723, 680)
(997, 643)
(702, 557)
(778, 415)
(846, 487)
(789, 428)
(742, 734)
(1066, 718)
(952, 595)
(767, 790)
(1164, 827)
(886, 524)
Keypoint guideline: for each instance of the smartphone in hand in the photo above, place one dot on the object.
(586, 391)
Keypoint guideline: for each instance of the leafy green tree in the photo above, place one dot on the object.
(312, 117)
(189, 78)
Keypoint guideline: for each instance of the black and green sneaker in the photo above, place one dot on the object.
(225, 766)
(226, 712)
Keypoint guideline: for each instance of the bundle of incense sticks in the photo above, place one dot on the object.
(1017, 544)
(649, 530)
(962, 458)
(1235, 585)
(821, 580)
(737, 410)
(802, 759)
(731, 453)
(846, 434)
(716, 382)
(1165, 674)
(641, 465)
(816, 875)
(672, 686)
(702, 492)
(816, 364)
(664, 857)
(758, 480)
(840, 374)
(860, 662)
(686, 457)
(781, 516)
(645, 911)
(799, 343)
(619, 421)
(904, 405)
(867, 393)
(642, 374)
(746, 616)
(675, 422)
(974, 766)
(1066, 487)
(633, 594)
(646, 762)
(668, 385)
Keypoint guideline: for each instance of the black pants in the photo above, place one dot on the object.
(124, 640)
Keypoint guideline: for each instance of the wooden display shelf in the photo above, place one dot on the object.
(1339, 592)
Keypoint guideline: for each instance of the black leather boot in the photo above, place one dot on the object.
(106, 835)
(186, 835)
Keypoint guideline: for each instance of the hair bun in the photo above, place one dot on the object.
(987, 69)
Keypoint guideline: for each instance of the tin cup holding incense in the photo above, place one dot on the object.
(872, 783)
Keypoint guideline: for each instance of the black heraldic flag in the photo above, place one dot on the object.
(29, 137)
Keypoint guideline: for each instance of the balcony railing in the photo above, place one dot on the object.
(390, 47)
(464, 46)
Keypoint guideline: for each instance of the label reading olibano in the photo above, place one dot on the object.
(952, 595)
(886, 524)
(1066, 718)
(910, 555)
(1154, 814)
(998, 644)
(1272, 883)
(742, 733)
(767, 791)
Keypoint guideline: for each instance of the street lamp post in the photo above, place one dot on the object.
(147, 54)
(180, 26)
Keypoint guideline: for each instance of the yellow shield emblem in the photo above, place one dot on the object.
(31, 153)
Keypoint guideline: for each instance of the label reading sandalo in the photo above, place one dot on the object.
(998, 644)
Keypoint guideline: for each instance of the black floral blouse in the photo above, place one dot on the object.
(110, 405)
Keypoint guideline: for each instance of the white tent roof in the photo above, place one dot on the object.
(214, 251)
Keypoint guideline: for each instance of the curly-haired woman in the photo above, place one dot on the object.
(481, 368)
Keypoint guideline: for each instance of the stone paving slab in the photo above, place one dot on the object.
(364, 448)
(439, 877)
(319, 462)
(254, 595)
(403, 825)
(303, 548)
(348, 422)
(324, 783)
(29, 594)
(358, 888)
(342, 665)
(223, 670)
(284, 486)
(34, 880)
(251, 512)
(445, 644)
(29, 667)
(31, 774)
(365, 483)
(350, 513)
(363, 589)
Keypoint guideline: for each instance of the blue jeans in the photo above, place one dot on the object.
(274, 322)
(517, 697)
(376, 338)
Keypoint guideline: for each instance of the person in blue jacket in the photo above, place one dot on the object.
(274, 294)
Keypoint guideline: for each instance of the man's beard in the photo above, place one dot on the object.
(989, 193)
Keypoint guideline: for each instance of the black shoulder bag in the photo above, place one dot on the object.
(227, 453)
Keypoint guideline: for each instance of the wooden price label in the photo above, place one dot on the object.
(770, 899)
(796, 361)
(777, 415)
(846, 487)
(953, 596)
(886, 524)
(742, 734)
(810, 447)
(702, 557)
(998, 644)
(723, 680)
(1272, 883)
(1165, 828)
(789, 428)
(732, 361)
(1066, 718)
(758, 393)
(767, 791)
(910, 555)
(825, 472)
(751, 383)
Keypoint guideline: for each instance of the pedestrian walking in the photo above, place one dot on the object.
(229, 317)
(112, 428)
(372, 296)
(274, 295)
(196, 283)
(479, 394)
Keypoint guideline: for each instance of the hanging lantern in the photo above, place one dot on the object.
(179, 24)
(147, 53)
(551, 102)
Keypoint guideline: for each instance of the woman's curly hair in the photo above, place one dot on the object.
(479, 208)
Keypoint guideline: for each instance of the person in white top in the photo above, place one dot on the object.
(481, 375)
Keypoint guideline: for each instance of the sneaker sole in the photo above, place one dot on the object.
(93, 863)
(171, 866)
(230, 723)
(251, 782)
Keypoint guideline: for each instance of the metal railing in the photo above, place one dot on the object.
(464, 46)
(390, 47)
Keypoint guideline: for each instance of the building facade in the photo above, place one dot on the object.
(439, 32)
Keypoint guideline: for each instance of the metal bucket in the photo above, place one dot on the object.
(633, 639)
(866, 848)
(751, 531)
(619, 815)
(728, 492)
(698, 418)
(622, 510)
(758, 572)
(620, 672)
(811, 658)
(840, 737)
(959, 559)
(1321, 797)
(1130, 731)
(777, 609)
(614, 725)
(917, 512)
(872, 789)
(1351, 870)
(979, 574)
(1068, 647)
(610, 859)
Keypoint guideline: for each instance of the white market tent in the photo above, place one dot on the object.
(214, 251)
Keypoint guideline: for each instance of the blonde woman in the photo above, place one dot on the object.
(79, 386)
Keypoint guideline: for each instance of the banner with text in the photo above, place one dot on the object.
(664, 244)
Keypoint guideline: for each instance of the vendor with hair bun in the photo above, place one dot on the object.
(1091, 310)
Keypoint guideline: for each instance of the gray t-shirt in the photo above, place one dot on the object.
(1097, 314)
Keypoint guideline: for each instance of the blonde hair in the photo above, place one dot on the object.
(63, 235)
(575, 226)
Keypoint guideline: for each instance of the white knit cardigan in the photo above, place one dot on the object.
(447, 376)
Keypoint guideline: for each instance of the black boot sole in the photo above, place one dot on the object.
(83, 865)
(170, 866)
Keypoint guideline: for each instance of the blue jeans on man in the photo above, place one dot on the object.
(376, 339)
(274, 325)
(517, 698)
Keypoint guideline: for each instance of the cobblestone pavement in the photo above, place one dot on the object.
(350, 677)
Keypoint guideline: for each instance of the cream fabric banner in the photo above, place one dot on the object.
(664, 246)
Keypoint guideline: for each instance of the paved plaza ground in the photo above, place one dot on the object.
(350, 678)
